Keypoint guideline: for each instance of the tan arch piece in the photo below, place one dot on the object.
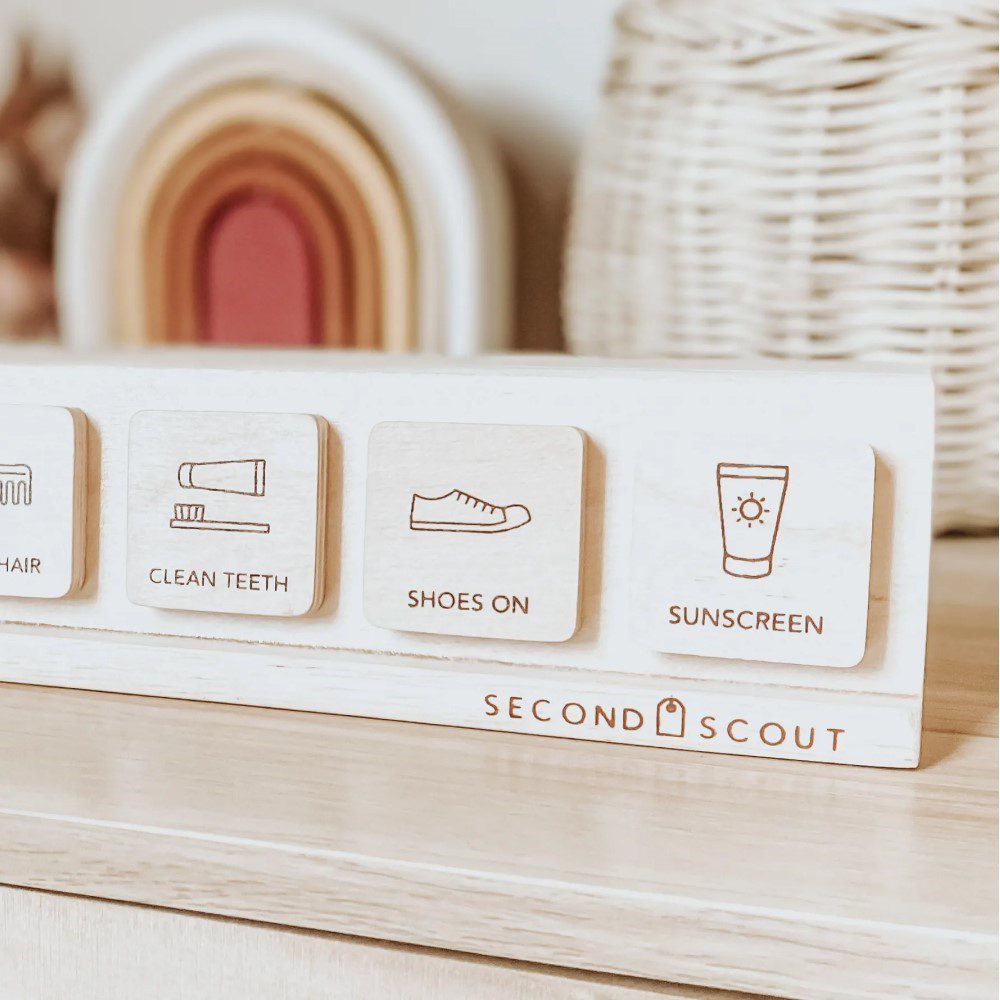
(245, 141)
(326, 146)
(175, 236)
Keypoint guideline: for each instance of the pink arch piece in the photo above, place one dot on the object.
(258, 275)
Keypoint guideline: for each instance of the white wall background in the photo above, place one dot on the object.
(530, 69)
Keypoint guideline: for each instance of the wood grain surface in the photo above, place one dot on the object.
(797, 880)
(63, 946)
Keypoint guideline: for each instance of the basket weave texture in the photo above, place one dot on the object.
(800, 179)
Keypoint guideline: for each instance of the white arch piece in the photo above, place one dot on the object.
(448, 172)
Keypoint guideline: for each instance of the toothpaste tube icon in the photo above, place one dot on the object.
(750, 501)
(244, 476)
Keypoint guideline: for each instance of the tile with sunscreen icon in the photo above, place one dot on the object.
(754, 549)
(42, 500)
(226, 511)
(474, 529)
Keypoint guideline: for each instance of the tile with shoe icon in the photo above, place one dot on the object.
(474, 529)
(43, 465)
(226, 511)
(754, 549)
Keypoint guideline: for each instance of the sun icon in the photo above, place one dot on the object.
(751, 510)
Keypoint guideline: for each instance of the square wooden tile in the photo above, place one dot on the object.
(754, 550)
(226, 511)
(474, 529)
(42, 500)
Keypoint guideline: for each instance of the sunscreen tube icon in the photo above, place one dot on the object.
(244, 476)
(750, 502)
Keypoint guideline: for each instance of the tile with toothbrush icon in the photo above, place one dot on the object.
(226, 511)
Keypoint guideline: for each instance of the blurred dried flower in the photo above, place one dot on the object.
(40, 119)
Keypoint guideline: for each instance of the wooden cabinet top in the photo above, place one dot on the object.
(731, 872)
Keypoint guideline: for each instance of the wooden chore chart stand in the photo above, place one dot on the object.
(727, 560)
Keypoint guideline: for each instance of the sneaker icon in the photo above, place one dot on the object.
(460, 511)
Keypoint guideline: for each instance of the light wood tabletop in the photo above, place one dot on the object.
(785, 878)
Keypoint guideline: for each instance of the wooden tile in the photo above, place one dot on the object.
(42, 500)
(225, 511)
(474, 529)
(755, 550)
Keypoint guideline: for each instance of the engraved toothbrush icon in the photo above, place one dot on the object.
(192, 517)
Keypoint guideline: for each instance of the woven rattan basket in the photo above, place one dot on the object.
(803, 179)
